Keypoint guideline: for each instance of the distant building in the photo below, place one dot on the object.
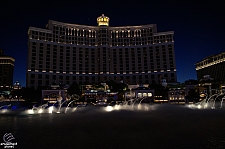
(54, 94)
(6, 71)
(177, 95)
(100, 95)
(92, 54)
(140, 92)
(214, 66)
(144, 92)
(16, 85)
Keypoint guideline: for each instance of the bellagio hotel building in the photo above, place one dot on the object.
(64, 53)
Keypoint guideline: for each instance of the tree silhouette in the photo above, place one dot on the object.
(74, 89)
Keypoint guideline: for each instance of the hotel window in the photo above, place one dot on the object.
(39, 76)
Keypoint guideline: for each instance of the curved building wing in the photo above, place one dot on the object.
(65, 53)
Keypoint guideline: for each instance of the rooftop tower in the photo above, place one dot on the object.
(103, 20)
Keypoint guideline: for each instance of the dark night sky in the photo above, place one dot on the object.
(198, 25)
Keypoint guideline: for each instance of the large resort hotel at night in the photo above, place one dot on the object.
(213, 66)
(64, 53)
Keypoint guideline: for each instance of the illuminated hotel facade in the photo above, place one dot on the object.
(6, 71)
(213, 65)
(65, 53)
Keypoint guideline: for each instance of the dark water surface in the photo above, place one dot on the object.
(90, 127)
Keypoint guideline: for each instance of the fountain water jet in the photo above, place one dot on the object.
(5, 106)
(134, 102)
(60, 106)
(213, 106)
(209, 101)
(39, 109)
(69, 104)
(139, 104)
(221, 104)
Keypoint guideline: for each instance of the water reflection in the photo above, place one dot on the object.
(10, 124)
(161, 126)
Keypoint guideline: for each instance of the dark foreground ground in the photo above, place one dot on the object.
(166, 126)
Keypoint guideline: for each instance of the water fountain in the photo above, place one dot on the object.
(60, 104)
(130, 105)
(206, 101)
(39, 109)
(55, 108)
(139, 104)
(5, 106)
(72, 101)
(69, 104)
(221, 103)
(134, 101)
(42, 108)
(133, 104)
(214, 102)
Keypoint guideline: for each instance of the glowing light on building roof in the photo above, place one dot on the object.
(103, 20)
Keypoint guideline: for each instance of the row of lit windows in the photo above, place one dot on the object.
(75, 31)
(67, 79)
(90, 59)
(106, 73)
(42, 46)
(89, 38)
(92, 42)
(131, 34)
(93, 63)
(5, 61)
(93, 70)
(95, 67)
(78, 58)
(80, 81)
(101, 33)
(105, 56)
(211, 61)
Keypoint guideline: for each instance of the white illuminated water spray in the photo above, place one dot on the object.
(60, 105)
(5, 106)
(40, 109)
(139, 104)
(221, 103)
(69, 104)
(209, 101)
(214, 102)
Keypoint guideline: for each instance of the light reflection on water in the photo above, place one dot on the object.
(163, 127)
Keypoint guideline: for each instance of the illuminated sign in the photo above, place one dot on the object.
(103, 20)
(103, 23)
